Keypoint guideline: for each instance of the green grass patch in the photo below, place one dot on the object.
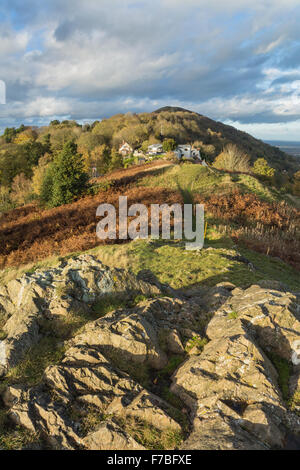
(3, 335)
(30, 370)
(172, 365)
(139, 372)
(284, 370)
(211, 265)
(17, 438)
(294, 402)
(149, 436)
(232, 315)
(197, 342)
(107, 304)
(186, 175)
(205, 181)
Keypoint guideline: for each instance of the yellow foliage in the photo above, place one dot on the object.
(25, 137)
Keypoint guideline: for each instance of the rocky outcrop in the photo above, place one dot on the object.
(75, 284)
(89, 373)
(229, 393)
(232, 388)
(109, 436)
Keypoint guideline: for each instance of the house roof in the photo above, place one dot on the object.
(155, 146)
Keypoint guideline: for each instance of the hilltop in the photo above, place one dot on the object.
(21, 149)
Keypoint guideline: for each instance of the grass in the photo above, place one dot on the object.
(205, 181)
(108, 303)
(284, 370)
(172, 365)
(208, 267)
(30, 370)
(90, 417)
(294, 402)
(17, 438)
(3, 335)
(139, 372)
(197, 342)
(233, 315)
(185, 175)
(149, 436)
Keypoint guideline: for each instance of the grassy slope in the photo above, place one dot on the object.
(179, 268)
(205, 181)
(169, 261)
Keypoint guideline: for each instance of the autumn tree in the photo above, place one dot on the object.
(20, 189)
(39, 174)
(100, 158)
(263, 169)
(233, 159)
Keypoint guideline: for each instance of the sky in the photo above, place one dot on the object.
(236, 61)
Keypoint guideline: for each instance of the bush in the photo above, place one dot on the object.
(233, 159)
(262, 168)
(296, 185)
(169, 145)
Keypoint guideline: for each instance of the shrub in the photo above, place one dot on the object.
(169, 145)
(233, 159)
(296, 185)
(263, 169)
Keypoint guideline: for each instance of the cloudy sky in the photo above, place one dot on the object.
(236, 61)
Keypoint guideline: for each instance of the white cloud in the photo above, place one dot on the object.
(219, 58)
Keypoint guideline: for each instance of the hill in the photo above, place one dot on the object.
(22, 148)
(213, 136)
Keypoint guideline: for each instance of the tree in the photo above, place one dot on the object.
(169, 145)
(296, 185)
(20, 189)
(65, 179)
(116, 160)
(262, 168)
(100, 158)
(25, 137)
(46, 189)
(9, 134)
(34, 151)
(233, 159)
(39, 174)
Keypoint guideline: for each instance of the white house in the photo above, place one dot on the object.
(186, 151)
(155, 149)
(125, 149)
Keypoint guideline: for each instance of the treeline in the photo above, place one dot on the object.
(28, 153)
